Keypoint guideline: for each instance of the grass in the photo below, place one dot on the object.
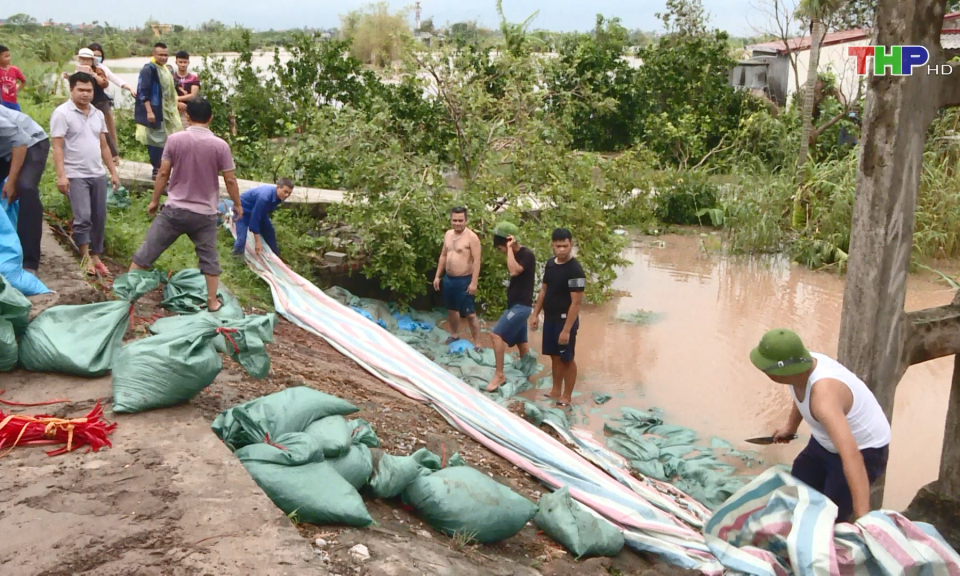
(297, 229)
(127, 228)
(462, 540)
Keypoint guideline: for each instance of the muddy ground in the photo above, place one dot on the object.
(169, 498)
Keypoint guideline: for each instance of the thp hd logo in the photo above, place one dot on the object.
(895, 60)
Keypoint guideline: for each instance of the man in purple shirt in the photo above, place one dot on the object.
(192, 163)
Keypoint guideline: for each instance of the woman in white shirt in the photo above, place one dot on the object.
(107, 107)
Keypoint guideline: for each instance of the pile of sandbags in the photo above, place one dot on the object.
(302, 451)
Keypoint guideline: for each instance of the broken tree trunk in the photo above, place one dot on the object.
(874, 330)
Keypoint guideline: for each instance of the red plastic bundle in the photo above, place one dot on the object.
(23, 430)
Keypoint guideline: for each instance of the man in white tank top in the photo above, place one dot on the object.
(850, 434)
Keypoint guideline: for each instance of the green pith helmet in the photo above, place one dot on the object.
(781, 353)
(504, 229)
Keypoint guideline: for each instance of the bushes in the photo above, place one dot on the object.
(683, 196)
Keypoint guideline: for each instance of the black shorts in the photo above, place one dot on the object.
(822, 470)
(551, 337)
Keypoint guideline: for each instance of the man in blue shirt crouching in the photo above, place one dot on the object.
(258, 203)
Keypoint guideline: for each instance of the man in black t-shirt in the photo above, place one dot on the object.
(560, 298)
(511, 329)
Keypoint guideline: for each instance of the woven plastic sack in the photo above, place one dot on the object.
(257, 329)
(576, 529)
(186, 293)
(14, 306)
(362, 433)
(313, 492)
(395, 473)
(355, 466)
(165, 370)
(84, 340)
(289, 410)
(462, 500)
(8, 346)
(332, 434)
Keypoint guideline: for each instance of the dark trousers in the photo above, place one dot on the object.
(823, 470)
(156, 157)
(30, 222)
(267, 234)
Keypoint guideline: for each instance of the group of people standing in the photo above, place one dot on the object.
(849, 444)
(187, 165)
(559, 299)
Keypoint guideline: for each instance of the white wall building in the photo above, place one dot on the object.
(769, 69)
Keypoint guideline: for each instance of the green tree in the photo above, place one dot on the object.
(687, 108)
(592, 89)
(21, 19)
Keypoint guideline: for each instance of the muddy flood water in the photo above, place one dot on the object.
(692, 361)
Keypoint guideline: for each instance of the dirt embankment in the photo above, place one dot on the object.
(400, 543)
(169, 498)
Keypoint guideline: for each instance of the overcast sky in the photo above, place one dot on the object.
(564, 15)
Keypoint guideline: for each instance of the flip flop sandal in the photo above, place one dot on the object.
(561, 404)
(451, 340)
(102, 270)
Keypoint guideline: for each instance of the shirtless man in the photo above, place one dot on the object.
(459, 270)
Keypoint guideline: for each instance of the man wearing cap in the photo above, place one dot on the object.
(511, 329)
(850, 439)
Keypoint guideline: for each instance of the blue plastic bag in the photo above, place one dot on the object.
(11, 253)
(460, 346)
(405, 322)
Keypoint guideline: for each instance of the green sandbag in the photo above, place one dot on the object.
(314, 493)
(395, 473)
(363, 433)
(462, 500)
(8, 346)
(186, 293)
(289, 410)
(84, 340)
(355, 466)
(180, 322)
(14, 306)
(257, 330)
(167, 369)
(579, 531)
(247, 346)
(118, 198)
(332, 435)
(292, 449)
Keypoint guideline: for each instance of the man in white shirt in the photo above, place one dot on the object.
(850, 439)
(80, 153)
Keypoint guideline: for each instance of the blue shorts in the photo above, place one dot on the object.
(455, 296)
(551, 337)
(512, 325)
(822, 470)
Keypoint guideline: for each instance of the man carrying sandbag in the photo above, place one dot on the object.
(192, 163)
